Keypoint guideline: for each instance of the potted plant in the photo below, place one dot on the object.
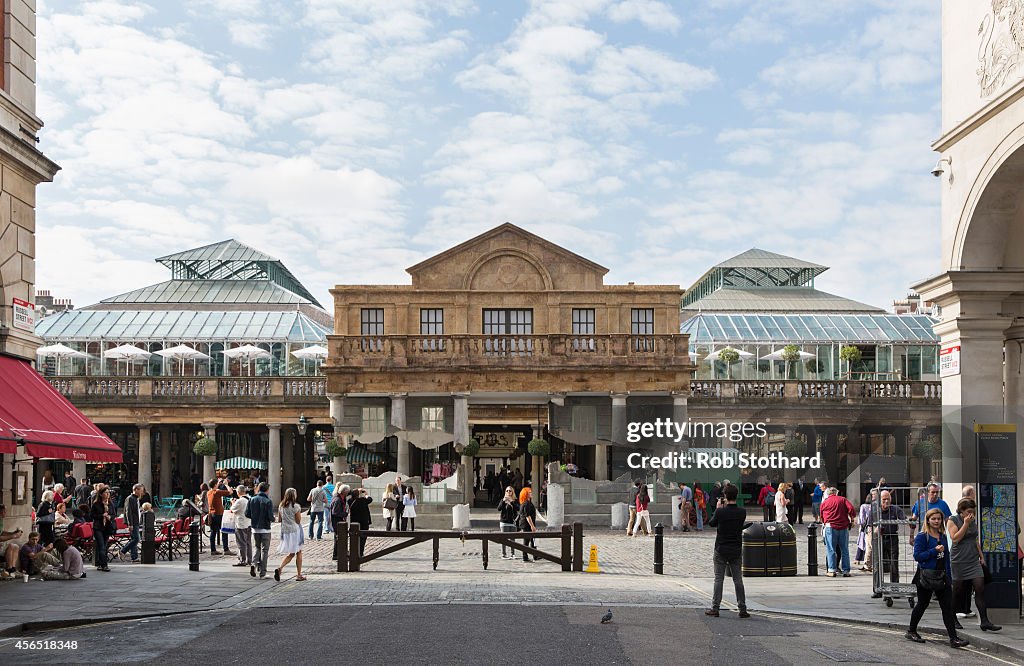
(814, 366)
(539, 447)
(924, 449)
(795, 448)
(790, 354)
(729, 356)
(851, 355)
(205, 446)
(335, 449)
(472, 448)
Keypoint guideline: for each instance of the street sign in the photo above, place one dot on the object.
(949, 361)
(997, 511)
(24, 315)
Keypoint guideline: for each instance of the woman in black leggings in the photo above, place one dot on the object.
(931, 556)
(965, 560)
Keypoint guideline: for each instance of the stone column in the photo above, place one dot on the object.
(288, 460)
(924, 464)
(462, 436)
(274, 462)
(145, 456)
(165, 462)
(619, 418)
(680, 415)
(337, 417)
(537, 470)
(398, 420)
(78, 470)
(209, 462)
(790, 474)
(1013, 409)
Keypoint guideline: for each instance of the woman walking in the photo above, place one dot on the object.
(700, 503)
(643, 501)
(508, 513)
(781, 515)
(966, 559)
(102, 528)
(389, 504)
(863, 557)
(45, 518)
(291, 534)
(409, 513)
(933, 577)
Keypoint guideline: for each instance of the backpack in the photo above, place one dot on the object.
(769, 499)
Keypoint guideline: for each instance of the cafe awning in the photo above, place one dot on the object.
(35, 414)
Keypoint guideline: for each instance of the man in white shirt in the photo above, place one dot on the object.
(243, 527)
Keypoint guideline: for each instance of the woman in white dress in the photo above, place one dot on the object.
(291, 534)
(409, 514)
(780, 503)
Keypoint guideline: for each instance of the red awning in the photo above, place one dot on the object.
(33, 412)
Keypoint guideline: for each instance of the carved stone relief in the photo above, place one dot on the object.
(1001, 46)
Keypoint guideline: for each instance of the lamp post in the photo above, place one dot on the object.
(302, 426)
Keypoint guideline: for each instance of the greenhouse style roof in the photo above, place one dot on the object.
(754, 268)
(777, 299)
(809, 328)
(161, 325)
(210, 291)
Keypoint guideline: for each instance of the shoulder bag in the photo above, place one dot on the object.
(931, 579)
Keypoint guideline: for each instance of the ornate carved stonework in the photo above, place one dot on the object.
(507, 272)
(1001, 47)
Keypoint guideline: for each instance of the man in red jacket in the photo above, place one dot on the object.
(837, 514)
(763, 499)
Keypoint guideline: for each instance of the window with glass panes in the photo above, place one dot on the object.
(371, 321)
(432, 418)
(582, 325)
(642, 321)
(431, 321)
(373, 419)
(508, 322)
(584, 418)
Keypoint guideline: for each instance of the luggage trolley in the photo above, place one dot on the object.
(892, 554)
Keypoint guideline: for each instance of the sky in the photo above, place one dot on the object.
(352, 139)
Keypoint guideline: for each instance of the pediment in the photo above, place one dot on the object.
(507, 258)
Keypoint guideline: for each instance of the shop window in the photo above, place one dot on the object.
(432, 418)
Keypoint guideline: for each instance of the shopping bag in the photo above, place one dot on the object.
(228, 523)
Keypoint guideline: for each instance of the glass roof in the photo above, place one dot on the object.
(141, 325)
(210, 291)
(887, 328)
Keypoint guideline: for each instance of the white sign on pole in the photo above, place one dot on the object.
(24, 315)
(949, 361)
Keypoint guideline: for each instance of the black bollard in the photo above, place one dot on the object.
(659, 549)
(812, 549)
(193, 546)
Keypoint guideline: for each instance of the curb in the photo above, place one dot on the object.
(976, 640)
(43, 625)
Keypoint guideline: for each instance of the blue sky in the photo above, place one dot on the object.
(353, 139)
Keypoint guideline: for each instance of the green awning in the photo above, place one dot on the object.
(357, 455)
(241, 463)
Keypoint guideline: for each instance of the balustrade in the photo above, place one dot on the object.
(112, 388)
(244, 388)
(63, 386)
(179, 388)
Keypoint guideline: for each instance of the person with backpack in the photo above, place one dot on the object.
(260, 511)
(339, 509)
(767, 500)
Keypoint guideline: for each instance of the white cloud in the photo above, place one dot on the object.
(653, 14)
(251, 34)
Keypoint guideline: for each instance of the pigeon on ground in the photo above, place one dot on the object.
(607, 617)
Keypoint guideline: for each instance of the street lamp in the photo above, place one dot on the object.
(302, 424)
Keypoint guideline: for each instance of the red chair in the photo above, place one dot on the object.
(165, 541)
(82, 539)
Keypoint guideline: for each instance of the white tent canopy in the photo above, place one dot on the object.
(314, 351)
(713, 356)
(777, 355)
(60, 351)
(182, 353)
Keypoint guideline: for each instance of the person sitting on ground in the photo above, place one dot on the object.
(35, 557)
(71, 567)
(12, 547)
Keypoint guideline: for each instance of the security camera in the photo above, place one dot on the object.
(940, 166)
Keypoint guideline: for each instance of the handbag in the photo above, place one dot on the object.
(931, 579)
(228, 523)
(391, 503)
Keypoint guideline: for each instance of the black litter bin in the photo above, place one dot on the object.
(769, 549)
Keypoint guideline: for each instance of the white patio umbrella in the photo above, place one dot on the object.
(713, 355)
(182, 353)
(127, 353)
(60, 351)
(315, 352)
(777, 355)
(247, 352)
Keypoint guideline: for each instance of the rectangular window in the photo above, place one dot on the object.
(431, 321)
(508, 324)
(373, 420)
(371, 327)
(642, 325)
(432, 418)
(582, 325)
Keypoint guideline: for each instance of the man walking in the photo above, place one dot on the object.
(766, 498)
(730, 520)
(260, 511)
(889, 534)
(317, 503)
(837, 515)
(800, 496)
(328, 499)
(685, 502)
(133, 516)
(400, 509)
(243, 527)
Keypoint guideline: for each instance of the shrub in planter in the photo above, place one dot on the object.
(472, 448)
(814, 366)
(851, 355)
(729, 357)
(924, 449)
(539, 447)
(796, 447)
(335, 449)
(205, 447)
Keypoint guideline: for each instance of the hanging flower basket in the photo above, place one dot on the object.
(539, 447)
(335, 449)
(472, 448)
(205, 447)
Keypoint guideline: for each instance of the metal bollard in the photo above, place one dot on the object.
(659, 549)
(812, 549)
(193, 546)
